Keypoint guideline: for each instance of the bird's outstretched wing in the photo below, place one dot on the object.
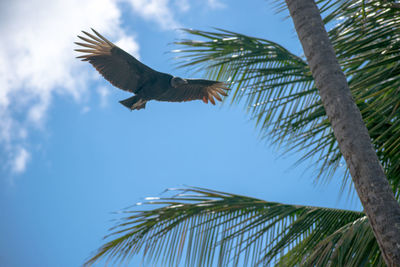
(194, 89)
(117, 66)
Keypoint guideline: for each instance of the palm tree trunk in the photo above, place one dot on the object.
(373, 189)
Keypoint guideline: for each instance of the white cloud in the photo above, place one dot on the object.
(215, 4)
(20, 160)
(129, 45)
(37, 61)
(182, 5)
(103, 93)
(85, 109)
(156, 10)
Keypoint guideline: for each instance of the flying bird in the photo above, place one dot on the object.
(127, 73)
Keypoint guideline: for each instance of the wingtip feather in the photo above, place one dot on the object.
(211, 99)
(86, 45)
(218, 97)
(102, 37)
(93, 37)
(88, 40)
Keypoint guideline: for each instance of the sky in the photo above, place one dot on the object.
(71, 154)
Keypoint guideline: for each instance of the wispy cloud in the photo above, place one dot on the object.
(37, 61)
(156, 10)
(129, 45)
(215, 4)
(103, 94)
(20, 160)
(182, 5)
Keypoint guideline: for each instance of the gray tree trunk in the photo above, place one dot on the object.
(368, 176)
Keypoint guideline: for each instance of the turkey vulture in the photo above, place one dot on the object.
(127, 73)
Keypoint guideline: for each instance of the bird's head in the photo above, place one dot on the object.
(177, 81)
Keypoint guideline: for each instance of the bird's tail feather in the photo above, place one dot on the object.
(134, 102)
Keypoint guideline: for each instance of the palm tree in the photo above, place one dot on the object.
(377, 198)
(279, 90)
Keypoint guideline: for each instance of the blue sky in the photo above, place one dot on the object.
(71, 154)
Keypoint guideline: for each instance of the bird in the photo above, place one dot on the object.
(125, 72)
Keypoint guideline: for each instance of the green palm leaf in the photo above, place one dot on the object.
(370, 57)
(352, 245)
(278, 89)
(209, 227)
(275, 84)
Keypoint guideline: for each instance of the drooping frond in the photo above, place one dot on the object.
(278, 89)
(207, 227)
(351, 245)
(276, 85)
(367, 44)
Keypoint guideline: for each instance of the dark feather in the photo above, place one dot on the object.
(114, 64)
(127, 73)
(196, 89)
(134, 102)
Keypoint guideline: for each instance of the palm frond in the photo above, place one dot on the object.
(278, 89)
(276, 85)
(206, 227)
(352, 245)
(370, 57)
